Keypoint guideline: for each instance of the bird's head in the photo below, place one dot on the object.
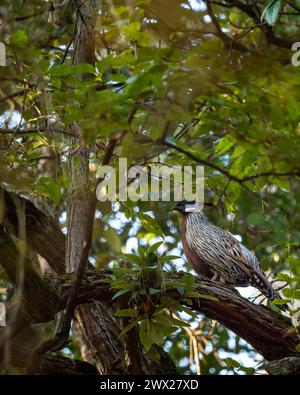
(185, 206)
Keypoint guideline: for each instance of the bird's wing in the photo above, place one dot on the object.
(242, 256)
(249, 264)
(251, 259)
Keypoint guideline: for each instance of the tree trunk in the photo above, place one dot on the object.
(97, 325)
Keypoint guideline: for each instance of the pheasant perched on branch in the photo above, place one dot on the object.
(216, 254)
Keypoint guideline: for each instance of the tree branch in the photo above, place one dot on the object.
(42, 232)
(286, 366)
(229, 43)
(48, 364)
(226, 173)
(37, 298)
(269, 333)
(253, 11)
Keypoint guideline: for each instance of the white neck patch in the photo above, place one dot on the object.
(191, 209)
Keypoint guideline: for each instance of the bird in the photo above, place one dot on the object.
(216, 254)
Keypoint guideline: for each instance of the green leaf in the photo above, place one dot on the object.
(153, 354)
(271, 12)
(224, 145)
(153, 291)
(256, 219)
(59, 70)
(141, 252)
(231, 363)
(167, 301)
(148, 81)
(238, 151)
(156, 333)
(144, 333)
(126, 313)
(172, 284)
(249, 371)
(19, 38)
(284, 277)
(83, 68)
(120, 293)
(188, 281)
(279, 302)
(155, 247)
(194, 294)
(133, 258)
(282, 183)
(291, 293)
(181, 290)
(168, 258)
(150, 224)
(233, 191)
(47, 187)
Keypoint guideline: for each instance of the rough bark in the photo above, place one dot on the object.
(131, 339)
(96, 323)
(26, 279)
(101, 334)
(271, 334)
(287, 366)
(42, 232)
(48, 364)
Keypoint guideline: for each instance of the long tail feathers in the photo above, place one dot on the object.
(260, 282)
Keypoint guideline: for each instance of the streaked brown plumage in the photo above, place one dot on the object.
(216, 254)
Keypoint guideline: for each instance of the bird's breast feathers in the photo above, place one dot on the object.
(220, 250)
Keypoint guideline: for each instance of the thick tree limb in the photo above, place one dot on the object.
(39, 300)
(286, 366)
(103, 339)
(42, 232)
(131, 340)
(48, 364)
(268, 332)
